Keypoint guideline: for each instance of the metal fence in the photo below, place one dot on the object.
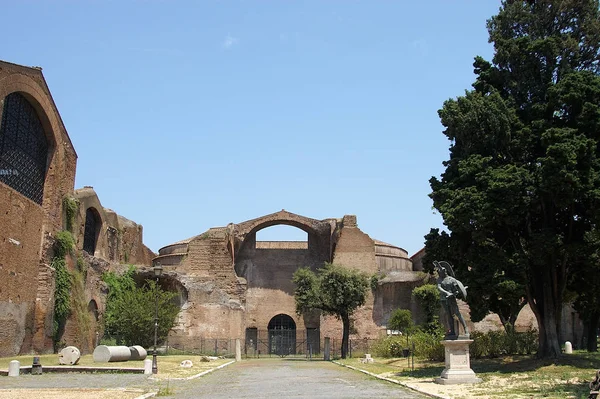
(270, 344)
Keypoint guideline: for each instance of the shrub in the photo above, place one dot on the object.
(382, 347)
(428, 346)
(500, 343)
(527, 341)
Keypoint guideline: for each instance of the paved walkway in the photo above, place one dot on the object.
(285, 378)
(264, 378)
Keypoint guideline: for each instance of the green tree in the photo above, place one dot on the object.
(504, 296)
(522, 186)
(428, 297)
(130, 310)
(335, 290)
(401, 320)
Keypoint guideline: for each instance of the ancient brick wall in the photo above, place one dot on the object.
(118, 239)
(268, 268)
(27, 227)
(215, 294)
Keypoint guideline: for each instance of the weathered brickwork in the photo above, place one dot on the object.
(28, 228)
(235, 283)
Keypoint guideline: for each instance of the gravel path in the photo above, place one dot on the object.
(288, 378)
(264, 378)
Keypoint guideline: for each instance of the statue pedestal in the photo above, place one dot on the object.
(458, 363)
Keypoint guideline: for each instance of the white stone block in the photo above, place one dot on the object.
(13, 368)
(148, 366)
(568, 348)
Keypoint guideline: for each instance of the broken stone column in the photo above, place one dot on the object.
(137, 352)
(327, 355)
(104, 353)
(14, 368)
(69, 355)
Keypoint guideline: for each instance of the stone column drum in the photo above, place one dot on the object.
(458, 363)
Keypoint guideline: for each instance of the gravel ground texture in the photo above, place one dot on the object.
(264, 378)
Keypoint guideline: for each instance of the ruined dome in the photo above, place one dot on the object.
(171, 255)
(391, 258)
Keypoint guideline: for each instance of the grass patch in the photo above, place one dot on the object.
(516, 377)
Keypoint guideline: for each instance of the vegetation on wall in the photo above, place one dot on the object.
(71, 207)
(63, 245)
(130, 310)
(335, 290)
(69, 289)
(79, 303)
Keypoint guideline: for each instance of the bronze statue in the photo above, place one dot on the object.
(449, 288)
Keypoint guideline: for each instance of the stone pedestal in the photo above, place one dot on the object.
(458, 363)
(326, 352)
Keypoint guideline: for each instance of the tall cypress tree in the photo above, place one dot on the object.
(521, 190)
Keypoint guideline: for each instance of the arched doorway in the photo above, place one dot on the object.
(282, 335)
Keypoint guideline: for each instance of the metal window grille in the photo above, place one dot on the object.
(23, 148)
(282, 335)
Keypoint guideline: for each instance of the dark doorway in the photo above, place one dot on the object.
(282, 335)
(92, 228)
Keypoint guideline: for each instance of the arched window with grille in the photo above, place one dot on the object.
(23, 148)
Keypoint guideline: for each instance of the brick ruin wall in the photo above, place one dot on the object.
(26, 280)
(224, 297)
(28, 230)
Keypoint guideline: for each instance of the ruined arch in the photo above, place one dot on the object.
(272, 267)
(91, 232)
(24, 147)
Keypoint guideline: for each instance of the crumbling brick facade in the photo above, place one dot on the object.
(236, 286)
(37, 173)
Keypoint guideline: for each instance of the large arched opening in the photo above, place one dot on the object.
(282, 335)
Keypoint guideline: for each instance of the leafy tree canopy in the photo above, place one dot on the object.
(521, 189)
(335, 290)
(401, 320)
(130, 310)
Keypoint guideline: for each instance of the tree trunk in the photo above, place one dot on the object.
(592, 330)
(546, 304)
(345, 334)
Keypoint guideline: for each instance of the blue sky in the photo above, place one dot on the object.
(192, 114)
